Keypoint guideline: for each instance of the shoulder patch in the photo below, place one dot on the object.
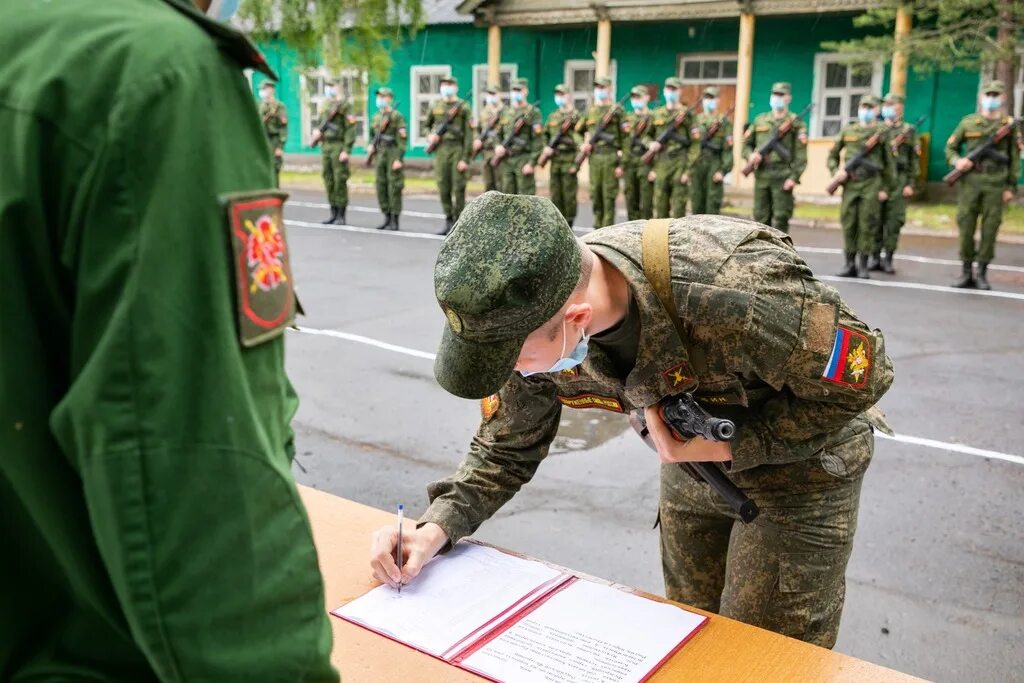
(973, 134)
(489, 407)
(951, 140)
(679, 377)
(265, 294)
(581, 401)
(850, 360)
(802, 137)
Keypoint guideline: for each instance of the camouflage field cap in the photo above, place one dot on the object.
(639, 91)
(449, 79)
(782, 88)
(894, 98)
(673, 82)
(997, 87)
(507, 268)
(520, 84)
(868, 101)
(562, 88)
(268, 85)
(711, 91)
(603, 82)
(386, 92)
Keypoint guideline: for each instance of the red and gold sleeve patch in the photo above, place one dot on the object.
(265, 297)
(679, 377)
(489, 407)
(582, 401)
(850, 361)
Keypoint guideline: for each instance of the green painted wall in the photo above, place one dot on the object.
(784, 49)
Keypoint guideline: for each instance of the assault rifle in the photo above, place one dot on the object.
(567, 125)
(478, 145)
(649, 155)
(859, 159)
(713, 129)
(599, 131)
(517, 127)
(986, 150)
(774, 143)
(688, 419)
(371, 152)
(902, 137)
(442, 128)
(318, 134)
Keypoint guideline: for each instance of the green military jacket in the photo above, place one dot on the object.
(459, 131)
(774, 166)
(906, 155)
(151, 525)
(611, 138)
(530, 138)
(678, 141)
(972, 131)
(394, 136)
(568, 145)
(715, 150)
(340, 125)
(275, 123)
(853, 138)
(637, 133)
(768, 346)
(491, 116)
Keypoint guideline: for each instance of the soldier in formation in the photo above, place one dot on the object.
(388, 140)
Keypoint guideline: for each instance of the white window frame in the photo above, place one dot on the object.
(418, 138)
(706, 57)
(818, 90)
(480, 76)
(308, 99)
(587, 95)
(988, 72)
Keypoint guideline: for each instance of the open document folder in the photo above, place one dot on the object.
(511, 619)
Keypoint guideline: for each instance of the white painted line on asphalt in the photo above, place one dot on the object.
(921, 286)
(368, 231)
(902, 438)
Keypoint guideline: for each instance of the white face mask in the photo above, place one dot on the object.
(222, 10)
(266, 95)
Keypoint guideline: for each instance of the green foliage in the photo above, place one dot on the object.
(345, 34)
(946, 35)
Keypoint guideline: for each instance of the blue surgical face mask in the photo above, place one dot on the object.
(330, 91)
(600, 94)
(637, 104)
(491, 99)
(866, 115)
(671, 95)
(777, 102)
(559, 101)
(888, 112)
(447, 90)
(517, 96)
(710, 105)
(989, 103)
(381, 102)
(578, 355)
(222, 10)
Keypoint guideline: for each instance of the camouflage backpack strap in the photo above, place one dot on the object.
(658, 271)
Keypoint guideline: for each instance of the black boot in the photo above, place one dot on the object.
(966, 279)
(862, 266)
(394, 221)
(875, 262)
(887, 263)
(848, 270)
(387, 222)
(448, 223)
(340, 219)
(981, 278)
(334, 214)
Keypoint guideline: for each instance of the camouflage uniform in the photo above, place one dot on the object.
(861, 210)
(773, 205)
(709, 156)
(492, 176)
(604, 186)
(456, 145)
(670, 195)
(275, 125)
(339, 134)
(390, 148)
(894, 211)
(523, 147)
(638, 131)
(768, 346)
(981, 189)
(564, 181)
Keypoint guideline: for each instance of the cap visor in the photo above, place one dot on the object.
(473, 369)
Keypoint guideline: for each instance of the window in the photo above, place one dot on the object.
(506, 72)
(989, 72)
(425, 87)
(838, 89)
(315, 103)
(710, 69)
(579, 76)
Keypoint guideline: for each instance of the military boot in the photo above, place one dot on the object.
(848, 270)
(394, 221)
(875, 262)
(448, 223)
(887, 263)
(387, 222)
(862, 266)
(981, 278)
(966, 279)
(340, 218)
(334, 214)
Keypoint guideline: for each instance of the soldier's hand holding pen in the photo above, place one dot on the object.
(419, 546)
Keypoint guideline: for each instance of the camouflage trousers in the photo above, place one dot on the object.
(638, 190)
(278, 163)
(860, 214)
(604, 187)
(512, 177)
(772, 205)
(389, 181)
(335, 174)
(492, 176)
(564, 186)
(451, 183)
(785, 571)
(894, 215)
(669, 194)
(706, 194)
(979, 196)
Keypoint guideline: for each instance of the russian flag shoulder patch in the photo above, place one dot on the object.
(850, 360)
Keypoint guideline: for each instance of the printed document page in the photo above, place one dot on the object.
(586, 633)
(452, 597)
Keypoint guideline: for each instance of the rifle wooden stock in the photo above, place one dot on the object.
(956, 174)
(375, 145)
(602, 124)
(851, 165)
(545, 156)
(453, 111)
(490, 129)
(782, 132)
(649, 155)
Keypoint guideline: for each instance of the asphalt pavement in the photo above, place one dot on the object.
(936, 581)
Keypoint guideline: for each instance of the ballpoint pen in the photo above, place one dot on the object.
(398, 546)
